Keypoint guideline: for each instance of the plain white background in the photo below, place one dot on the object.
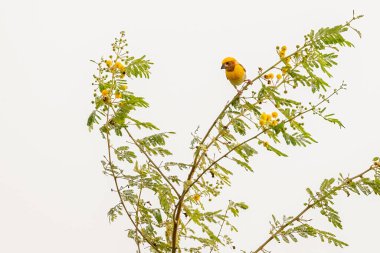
(53, 195)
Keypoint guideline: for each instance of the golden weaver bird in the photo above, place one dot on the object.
(235, 72)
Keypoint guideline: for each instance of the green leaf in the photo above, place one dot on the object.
(124, 154)
(243, 164)
(276, 151)
(157, 215)
(93, 118)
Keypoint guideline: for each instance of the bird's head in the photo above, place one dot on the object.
(229, 64)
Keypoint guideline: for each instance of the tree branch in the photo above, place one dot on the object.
(374, 166)
(198, 156)
(119, 193)
(257, 135)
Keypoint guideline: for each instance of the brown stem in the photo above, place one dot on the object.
(137, 217)
(119, 193)
(221, 226)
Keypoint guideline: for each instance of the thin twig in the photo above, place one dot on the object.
(137, 217)
(221, 226)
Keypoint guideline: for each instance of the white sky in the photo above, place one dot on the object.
(53, 195)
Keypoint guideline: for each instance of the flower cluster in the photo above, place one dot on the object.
(196, 197)
(116, 67)
(270, 76)
(282, 52)
(268, 119)
(106, 93)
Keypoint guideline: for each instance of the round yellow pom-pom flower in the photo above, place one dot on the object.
(118, 65)
(263, 116)
(284, 48)
(270, 76)
(274, 123)
(108, 63)
(274, 114)
(105, 92)
(278, 76)
(122, 69)
(268, 117)
(118, 95)
(262, 122)
(196, 197)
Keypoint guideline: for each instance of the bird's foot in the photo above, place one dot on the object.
(248, 81)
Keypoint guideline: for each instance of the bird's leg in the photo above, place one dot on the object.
(249, 82)
(239, 91)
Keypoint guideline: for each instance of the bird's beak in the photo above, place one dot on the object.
(223, 66)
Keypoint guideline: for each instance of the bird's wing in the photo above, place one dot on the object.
(242, 67)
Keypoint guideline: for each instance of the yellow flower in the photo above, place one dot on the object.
(123, 87)
(278, 76)
(196, 197)
(287, 60)
(263, 116)
(270, 76)
(118, 65)
(262, 122)
(122, 69)
(108, 63)
(284, 70)
(274, 114)
(118, 95)
(269, 117)
(105, 92)
(282, 54)
(283, 48)
(274, 123)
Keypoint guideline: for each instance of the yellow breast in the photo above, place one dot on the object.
(237, 76)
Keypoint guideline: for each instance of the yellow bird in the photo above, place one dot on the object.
(235, 72)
